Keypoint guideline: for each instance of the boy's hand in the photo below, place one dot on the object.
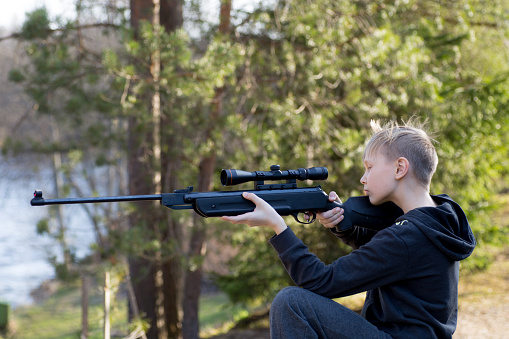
(263, 215)
(332, 217)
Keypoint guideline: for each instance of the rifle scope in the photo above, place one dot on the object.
(231, 177)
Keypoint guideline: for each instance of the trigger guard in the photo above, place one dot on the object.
(312, 216)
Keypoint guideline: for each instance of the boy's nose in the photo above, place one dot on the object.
(363, 179)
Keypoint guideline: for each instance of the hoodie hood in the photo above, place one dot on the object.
(446, 226)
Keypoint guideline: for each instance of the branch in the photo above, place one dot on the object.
(96, 25)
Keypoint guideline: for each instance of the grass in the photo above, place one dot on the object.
(59, 317)
(217, 314)
(353, 302)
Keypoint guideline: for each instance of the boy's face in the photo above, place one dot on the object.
(379, 178)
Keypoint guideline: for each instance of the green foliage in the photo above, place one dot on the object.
(318, 73)
(43, 226)
(255, 260)
(15, 75)
(37, 25)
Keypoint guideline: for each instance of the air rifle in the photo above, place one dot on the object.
(286, 198)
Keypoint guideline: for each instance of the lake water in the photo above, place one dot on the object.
(23, 253)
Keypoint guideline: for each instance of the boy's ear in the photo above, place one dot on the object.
(402, 167)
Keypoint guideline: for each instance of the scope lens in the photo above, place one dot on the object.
(230, 177)
(226, 177)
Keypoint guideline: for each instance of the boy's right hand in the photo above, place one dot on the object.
(331, 218)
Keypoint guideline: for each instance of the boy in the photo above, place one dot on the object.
(409, 270)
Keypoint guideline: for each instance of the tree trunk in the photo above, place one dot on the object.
(138, 332)
(59, 184)
(107, 302)
(197, 248)
(85, 287)
(155, 283)
(171, 18)
(141, 269)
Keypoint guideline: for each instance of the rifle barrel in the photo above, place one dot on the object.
(38, 200)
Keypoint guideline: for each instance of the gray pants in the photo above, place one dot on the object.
(298, 313)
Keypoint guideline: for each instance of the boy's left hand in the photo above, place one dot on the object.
(263, 215)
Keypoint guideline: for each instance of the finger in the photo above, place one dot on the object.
(333, 196)
(331, 220)
(259, 202)
(238, 219)
(330, 213)
(252, 197)
(309, 215)
(332, 223)
(229, 219)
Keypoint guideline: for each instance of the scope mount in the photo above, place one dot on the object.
(259, 185)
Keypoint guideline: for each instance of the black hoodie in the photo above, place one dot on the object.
(409, 270)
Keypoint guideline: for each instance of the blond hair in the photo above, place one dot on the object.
(410, 141)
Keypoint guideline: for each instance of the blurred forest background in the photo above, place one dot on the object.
(149, 96)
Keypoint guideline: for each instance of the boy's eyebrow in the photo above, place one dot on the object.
(368, 158)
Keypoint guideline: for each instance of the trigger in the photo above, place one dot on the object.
(311, 215)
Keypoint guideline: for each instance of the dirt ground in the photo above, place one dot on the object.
(483, 321)
(484, 303)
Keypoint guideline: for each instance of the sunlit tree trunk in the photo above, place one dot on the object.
(59, 209)
(107, 302)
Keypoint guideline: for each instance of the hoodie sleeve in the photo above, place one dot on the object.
(381, 261)
(355, 236)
